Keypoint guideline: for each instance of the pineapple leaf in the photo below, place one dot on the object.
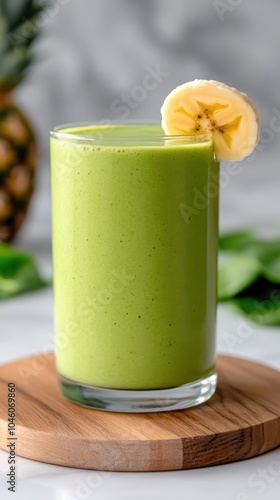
(3, 27)
(4, 44)
(23, 36)
(13, 65)
(19, 27)
(15, 10)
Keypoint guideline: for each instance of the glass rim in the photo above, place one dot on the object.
(58, 132)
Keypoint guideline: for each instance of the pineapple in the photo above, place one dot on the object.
(18, 156)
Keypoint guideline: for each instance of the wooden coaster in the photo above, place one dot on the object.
(240, 421)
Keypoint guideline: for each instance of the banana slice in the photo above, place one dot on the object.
(226, 115)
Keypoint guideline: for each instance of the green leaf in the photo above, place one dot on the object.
(18, 273)
(238, 273)
(236, 241)
(261, 305)
(268, 254)
(271, 270)
(250, 279)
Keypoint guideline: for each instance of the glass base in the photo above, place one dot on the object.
(177, 398)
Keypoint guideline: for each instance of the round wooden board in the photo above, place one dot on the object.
(240, 421)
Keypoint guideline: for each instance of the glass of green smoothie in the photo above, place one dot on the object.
(135, 224)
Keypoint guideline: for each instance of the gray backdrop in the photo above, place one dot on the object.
(94, 54)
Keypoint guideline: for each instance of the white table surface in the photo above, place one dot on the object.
(27, 326)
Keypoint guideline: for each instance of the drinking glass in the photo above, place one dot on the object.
(135, 230)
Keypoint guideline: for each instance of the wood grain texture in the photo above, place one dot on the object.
(240, 421)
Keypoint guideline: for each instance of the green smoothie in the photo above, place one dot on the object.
(135, 249)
